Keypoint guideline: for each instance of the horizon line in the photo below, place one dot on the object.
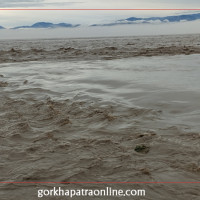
(100, 9)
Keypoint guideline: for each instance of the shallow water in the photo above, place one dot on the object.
(169, 83)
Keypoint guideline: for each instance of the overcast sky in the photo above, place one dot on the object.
(101, 3)
(15, 18)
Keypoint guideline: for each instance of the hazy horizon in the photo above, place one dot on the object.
(10, 19)
(112, 31)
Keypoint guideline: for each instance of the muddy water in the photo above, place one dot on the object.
(82, 120)
(97, 48)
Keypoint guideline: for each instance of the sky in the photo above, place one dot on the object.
(100, 3)
(18, 18)
(10, 19)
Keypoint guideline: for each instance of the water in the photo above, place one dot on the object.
(97, 48)
(82, 119)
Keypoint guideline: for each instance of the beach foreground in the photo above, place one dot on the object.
(101, 119)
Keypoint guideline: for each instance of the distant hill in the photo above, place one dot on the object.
(176, 18)
(152, 20)
(48, 25)
(1, 27)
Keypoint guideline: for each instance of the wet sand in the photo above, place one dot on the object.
(128, 120)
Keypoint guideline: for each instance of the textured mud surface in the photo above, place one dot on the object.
(103, 49)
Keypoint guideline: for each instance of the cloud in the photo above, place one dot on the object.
(34, 3)
(16, 18)
(16, 3)
(102, 3)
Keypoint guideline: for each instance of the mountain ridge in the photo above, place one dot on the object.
(152, 20)
(48, 25)
(130, 20)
